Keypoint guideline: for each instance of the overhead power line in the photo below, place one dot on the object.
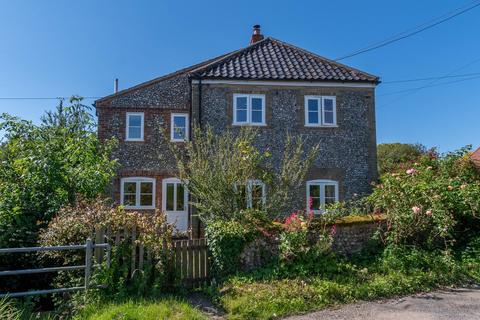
(427, 86)
(43, 98)
(430, 78)
(413, 31)
(434, 81)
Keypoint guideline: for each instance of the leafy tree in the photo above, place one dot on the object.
(45, 166)
(391, 156)
(217, 169)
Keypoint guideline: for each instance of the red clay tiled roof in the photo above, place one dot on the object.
(272, 59)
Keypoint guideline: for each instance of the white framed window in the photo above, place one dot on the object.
(137, 193)
(249, 109)
(321, 193)
(320, 111)
(252, 194)
(134, 126)
(179, 127)
(174, 196)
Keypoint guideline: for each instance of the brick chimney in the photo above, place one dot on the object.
(257, 35)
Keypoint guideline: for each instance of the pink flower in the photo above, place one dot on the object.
(310, 203)
(450, 188)
(463, 186)
(429, 213)
(411, 171)
(333, 230)
(416, 209)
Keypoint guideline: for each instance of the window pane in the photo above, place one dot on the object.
(179, 121)
(146, 200)
(146, 187)
(180, 197)
(129, 187)
(128, 199)
(312, 117)
(328, 105)
(241, 115)
(315, 203)
(313, 105)
(170, 202)
(328, 117)
(179, 133)
(135, 120)
(257, 104)
(242, 103)
(242, 196)
(134, 132)
(257, 116)
(329, 191)
(315, 191)
(329, 200)
(257, 196)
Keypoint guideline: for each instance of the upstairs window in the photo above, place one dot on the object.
(321, 193)
(138, 193)
(320, 111)
(248, 109)
(179, 127)
(134, 126)
(175, 196)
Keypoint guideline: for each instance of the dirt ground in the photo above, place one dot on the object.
(457, 304)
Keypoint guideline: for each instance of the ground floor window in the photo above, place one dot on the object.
(137, 193)
(321, 193)
(252, 194)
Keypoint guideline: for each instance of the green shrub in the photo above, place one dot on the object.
(226, 241)
(45, 167)
(434, 203)
(74, 224)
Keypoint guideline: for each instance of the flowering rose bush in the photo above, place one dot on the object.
(436, 201)
(303, 236)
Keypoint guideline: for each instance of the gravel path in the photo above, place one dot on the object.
(457, 304)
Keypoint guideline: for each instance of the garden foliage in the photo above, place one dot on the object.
(433, 203)
(44, 167)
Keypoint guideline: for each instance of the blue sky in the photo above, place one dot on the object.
(60, 48)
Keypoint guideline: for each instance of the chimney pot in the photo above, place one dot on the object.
(257, 34)
(115, 86)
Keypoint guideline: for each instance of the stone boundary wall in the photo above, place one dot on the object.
(351, 236)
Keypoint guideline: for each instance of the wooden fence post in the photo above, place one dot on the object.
(88, 262)
(99, 238)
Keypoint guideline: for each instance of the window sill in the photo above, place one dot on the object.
(178, 140)
(139, 208)
(134, 140)
(320, 126)
(249, 124)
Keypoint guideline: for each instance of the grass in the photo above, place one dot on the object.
(258, 296)
(168, 308)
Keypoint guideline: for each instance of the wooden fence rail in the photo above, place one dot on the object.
(190, 259)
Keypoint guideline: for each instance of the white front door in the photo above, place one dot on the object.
(175, 203)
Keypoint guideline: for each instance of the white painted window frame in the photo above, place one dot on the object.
(138, 181)
(321, 111)
(322, 183)
(187, 124)
(249, 109)
(175, 181)
(250, 184)
(142, 126)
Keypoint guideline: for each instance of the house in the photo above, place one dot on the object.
(269, 84)
(475, 158)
